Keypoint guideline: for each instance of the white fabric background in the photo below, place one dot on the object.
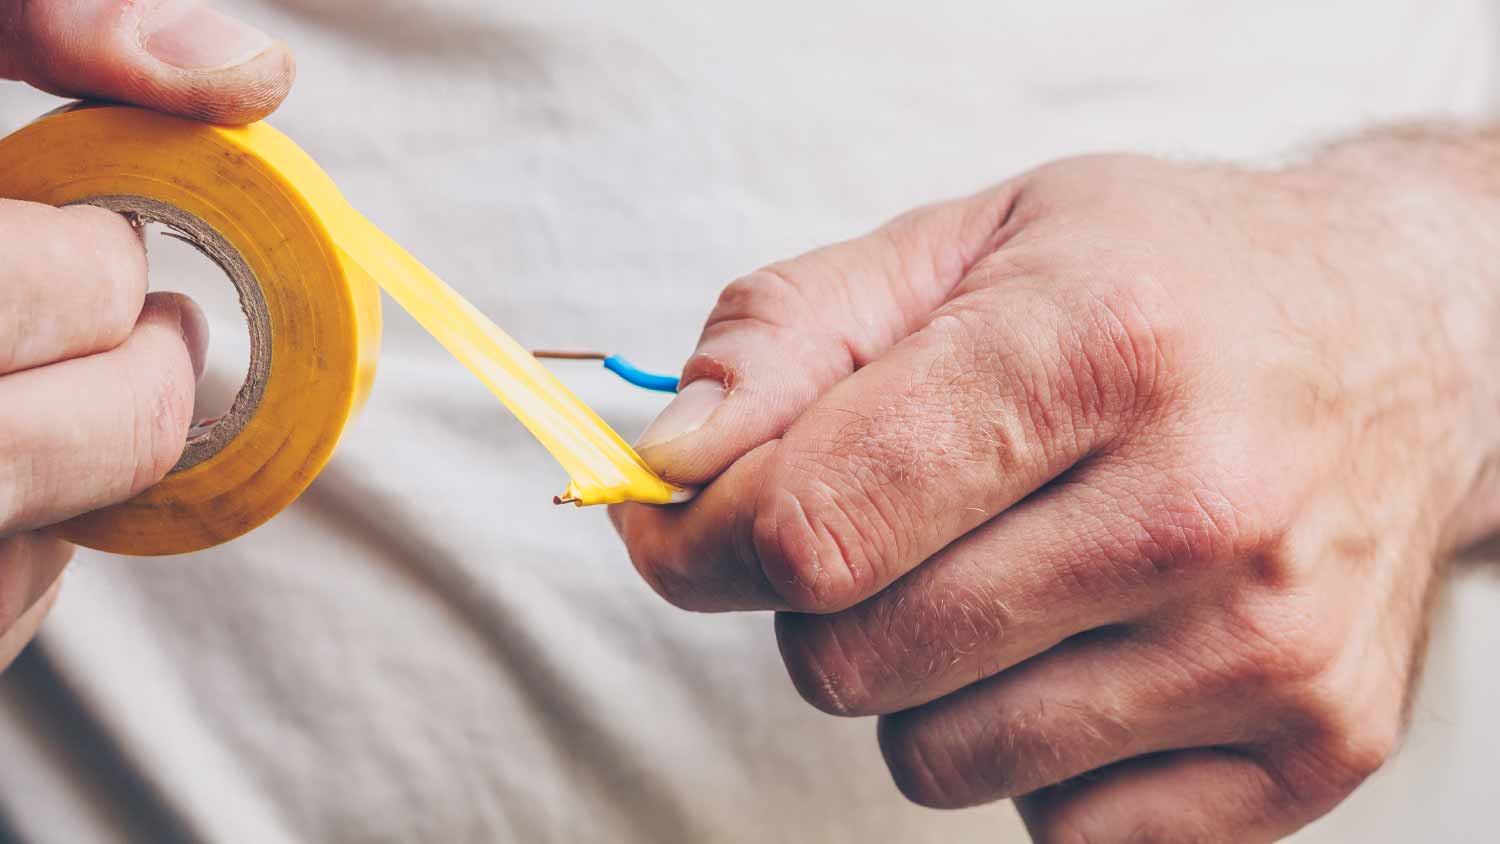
(423, 648)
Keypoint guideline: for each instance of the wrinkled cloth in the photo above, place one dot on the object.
(423, 648)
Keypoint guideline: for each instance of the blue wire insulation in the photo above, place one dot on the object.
(624, 369)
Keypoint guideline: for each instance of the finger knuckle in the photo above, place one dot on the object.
(1340, 702)
(889, 652)
(119, 269)
(1297, 654)
(121, 292)
(1345, 733)
(1186, 527)
(813, 539)
(774, 303)
(1073, 365)
(1118, 352)
(825, 670)
(1109, 343)
(772, 296)
(950, 424)
(1311, 676)
(943, 626)
(1317, 774)
(1035, 745)
(1264, 650)
(163, 415)
(1007, 394)
(917, 754)
(1358, 754)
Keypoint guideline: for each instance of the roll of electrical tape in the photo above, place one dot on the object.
(306, 266)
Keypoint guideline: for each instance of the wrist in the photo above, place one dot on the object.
(1425, 202)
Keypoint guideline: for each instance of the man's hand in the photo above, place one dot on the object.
(1119, 488)
(97, 376)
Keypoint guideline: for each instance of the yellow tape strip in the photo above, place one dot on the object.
(314, 257)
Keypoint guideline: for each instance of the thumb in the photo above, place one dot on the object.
(177, 56)
(779, 337)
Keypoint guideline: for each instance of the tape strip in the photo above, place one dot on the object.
(306, 265)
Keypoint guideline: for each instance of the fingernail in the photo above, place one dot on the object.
(686, 414)
(193, 36)
(194, 333)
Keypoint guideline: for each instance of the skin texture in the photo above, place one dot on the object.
(1121, 488)
(75, 316)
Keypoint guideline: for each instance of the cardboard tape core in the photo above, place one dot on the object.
(207, 441)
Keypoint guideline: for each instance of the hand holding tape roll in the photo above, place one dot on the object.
(308, 269)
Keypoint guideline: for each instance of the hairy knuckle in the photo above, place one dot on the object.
(1037, 745)
(912, 641)
(941, 627)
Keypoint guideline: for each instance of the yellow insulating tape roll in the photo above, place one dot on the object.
(251, 198)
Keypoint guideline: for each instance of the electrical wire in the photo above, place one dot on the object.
(621, 367)
(640, 378)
